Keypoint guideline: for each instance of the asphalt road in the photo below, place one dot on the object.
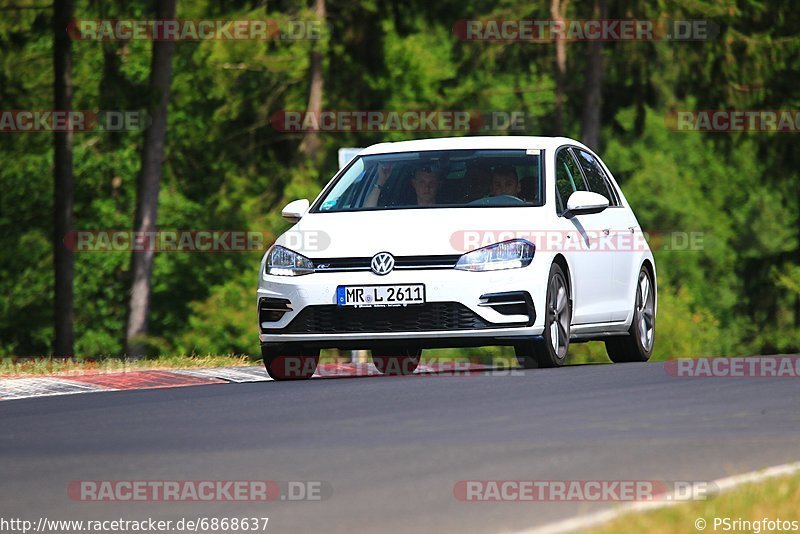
(392, 449)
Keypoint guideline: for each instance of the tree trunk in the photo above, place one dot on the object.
(309, 147)
(63, 181)
(557, 10)
(796, 252)
(593, 90)
(149, 185)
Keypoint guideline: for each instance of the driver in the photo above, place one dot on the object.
(426, 185)
(505, 182)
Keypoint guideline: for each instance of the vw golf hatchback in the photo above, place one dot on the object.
(518, 241)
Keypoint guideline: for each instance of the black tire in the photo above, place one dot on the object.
(396, 360)
(284, 363)
(558, 317)
(637, 344)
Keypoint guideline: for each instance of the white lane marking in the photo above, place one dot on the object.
(24, 388)
(604, 516)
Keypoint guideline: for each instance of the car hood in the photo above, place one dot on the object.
(406, 232)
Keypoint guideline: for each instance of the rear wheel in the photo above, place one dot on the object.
(552, 350)
(296, 363)
(637, 345)
(396, 360)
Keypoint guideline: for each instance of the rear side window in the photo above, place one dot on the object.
(596, 178)
(568, 176)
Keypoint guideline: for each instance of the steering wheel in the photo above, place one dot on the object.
(499, 200)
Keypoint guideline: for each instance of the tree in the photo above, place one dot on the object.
(309, 147)
(593, 90)
(149, 186)
(64, 185)
(557, 10)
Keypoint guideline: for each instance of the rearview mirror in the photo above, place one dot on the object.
(584, 203)
(295, 210)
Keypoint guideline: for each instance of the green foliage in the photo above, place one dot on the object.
(225, 322)
(227, 168)
(687, 329)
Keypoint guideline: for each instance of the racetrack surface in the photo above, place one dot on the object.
(392, 449)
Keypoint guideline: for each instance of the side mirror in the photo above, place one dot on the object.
(295, 210)
(584, 203)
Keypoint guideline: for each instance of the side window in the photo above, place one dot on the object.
(568, 176)
(596, 177)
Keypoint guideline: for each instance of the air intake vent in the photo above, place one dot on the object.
(511, 303)
(271, 310)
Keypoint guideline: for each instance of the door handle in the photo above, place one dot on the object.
(632, 229)
(606, 231)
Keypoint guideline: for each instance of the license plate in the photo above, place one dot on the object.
(380, 296)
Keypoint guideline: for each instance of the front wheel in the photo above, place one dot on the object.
(552, 350)
(289, 363)
(396, 361)
(637, 345)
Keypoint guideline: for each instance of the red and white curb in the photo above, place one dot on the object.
(24, 388)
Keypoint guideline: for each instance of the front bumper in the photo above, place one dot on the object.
(453, 299)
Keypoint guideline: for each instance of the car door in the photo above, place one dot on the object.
(592, 267)
(619, 226)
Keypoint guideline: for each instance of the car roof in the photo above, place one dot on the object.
(498, 142)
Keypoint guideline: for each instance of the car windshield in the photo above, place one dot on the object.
(436, 179)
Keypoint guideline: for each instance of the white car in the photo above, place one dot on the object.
(471, 241)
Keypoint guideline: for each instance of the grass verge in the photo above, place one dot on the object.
(15, 367)
(773, 499)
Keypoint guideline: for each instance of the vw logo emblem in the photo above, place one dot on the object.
(382, 263)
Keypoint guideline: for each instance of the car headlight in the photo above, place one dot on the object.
(506, 255)
(284, 262)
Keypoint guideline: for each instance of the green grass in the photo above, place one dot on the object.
(777, 498)
(502, 357)
(18, 367)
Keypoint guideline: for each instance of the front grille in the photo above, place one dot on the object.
(423, 262)
(400, 262)
(331, 319)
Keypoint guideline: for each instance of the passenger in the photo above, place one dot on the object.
(505, 182)
(426, 185)
(423, 190)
